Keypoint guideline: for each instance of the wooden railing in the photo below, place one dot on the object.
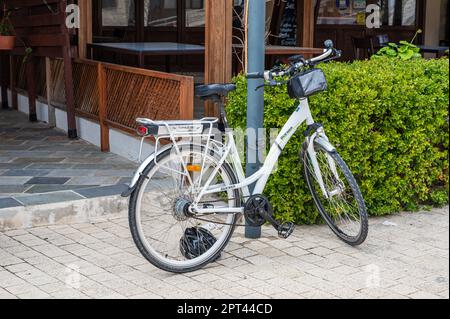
(114, 95)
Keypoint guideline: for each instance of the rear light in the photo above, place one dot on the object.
(143, 131)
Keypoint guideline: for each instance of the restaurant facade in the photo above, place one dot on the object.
(131, 58)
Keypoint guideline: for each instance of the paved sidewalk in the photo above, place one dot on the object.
(40, 165)
(406, 256)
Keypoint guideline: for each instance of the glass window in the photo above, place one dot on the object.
(195, 13)
(118, 13)
(342, 12)
(399, 12)
(160, 13)
(393, 12)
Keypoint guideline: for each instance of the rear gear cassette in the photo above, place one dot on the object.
(256, 210)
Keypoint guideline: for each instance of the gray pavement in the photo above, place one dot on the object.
(406, 256)
(39, 165)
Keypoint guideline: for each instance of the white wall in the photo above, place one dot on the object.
(121, 144)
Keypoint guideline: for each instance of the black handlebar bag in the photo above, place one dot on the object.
(307, 83)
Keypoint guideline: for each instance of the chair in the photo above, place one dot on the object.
(380, 41)
(363, 48)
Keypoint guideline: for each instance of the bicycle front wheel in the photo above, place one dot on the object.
(341, 203)
(166, 233)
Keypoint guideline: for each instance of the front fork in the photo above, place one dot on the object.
(320, 138)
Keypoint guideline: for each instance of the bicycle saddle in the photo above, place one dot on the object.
(214, 90)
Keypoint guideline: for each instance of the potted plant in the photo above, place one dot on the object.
(7, 37)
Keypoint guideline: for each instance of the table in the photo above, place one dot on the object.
(278, 50)
(439, 51)
(143, 49)
(284, 50)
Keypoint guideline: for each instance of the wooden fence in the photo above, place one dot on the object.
(114, 95)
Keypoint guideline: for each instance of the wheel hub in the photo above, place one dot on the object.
(181, 209)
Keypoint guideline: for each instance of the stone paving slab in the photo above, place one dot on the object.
(37, 161)
(407, 257)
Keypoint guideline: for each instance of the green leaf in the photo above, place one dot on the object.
(406, 55)
(403, 49)
(391, 52)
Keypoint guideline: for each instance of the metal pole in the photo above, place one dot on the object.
(255, 102)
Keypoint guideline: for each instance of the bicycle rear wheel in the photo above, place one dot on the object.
(165, 232)
(343, 208)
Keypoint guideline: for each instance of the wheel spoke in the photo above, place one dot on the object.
(163, 218)
(340, 208)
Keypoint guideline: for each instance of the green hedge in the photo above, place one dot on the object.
(389, 119)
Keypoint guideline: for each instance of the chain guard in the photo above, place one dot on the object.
(256, 210)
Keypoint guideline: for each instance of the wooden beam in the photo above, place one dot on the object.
(85, 31)
(49, 92)
(187, 99)
(218, 41)
(31, 86)
(68, 76)
(306, 23)
(13, 81)
(4, 75)
(102, 105)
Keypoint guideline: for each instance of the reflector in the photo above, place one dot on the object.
(142, 130)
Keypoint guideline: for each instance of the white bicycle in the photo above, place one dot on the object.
(188, 197)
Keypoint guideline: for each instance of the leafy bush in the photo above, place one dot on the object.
(389, 119)
(404, 50)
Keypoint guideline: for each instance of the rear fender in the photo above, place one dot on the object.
(140, 171)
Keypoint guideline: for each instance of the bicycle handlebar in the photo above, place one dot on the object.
(269, 75)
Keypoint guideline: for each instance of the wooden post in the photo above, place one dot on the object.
(306, 23)
(31, 86)
(49, 90)
(102, 105)
(187, 99)
(218, 42)
(68, 76)
(13, 81)
(4, 71)
(85, 31)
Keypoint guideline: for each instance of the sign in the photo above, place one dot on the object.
(342, 4)
(359, 4)
(288, 28)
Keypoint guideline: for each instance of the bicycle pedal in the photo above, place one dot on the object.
(285, 230)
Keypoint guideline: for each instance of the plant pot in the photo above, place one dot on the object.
(7, 42)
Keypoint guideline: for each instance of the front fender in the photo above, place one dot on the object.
(325, 144)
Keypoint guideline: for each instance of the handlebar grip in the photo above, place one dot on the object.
(329, 44)
(255, 75)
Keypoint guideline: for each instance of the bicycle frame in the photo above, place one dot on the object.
(301, 115)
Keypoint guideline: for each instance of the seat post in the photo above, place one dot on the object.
(223, 115)
(219, 102)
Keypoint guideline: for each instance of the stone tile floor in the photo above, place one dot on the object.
(39, 165)
(406, 256)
